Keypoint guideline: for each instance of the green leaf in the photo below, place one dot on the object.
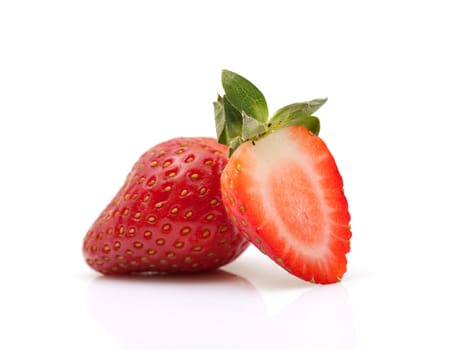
(252, 128)
(300, 108)
(312, 123)
(233, 144)
(233, 121)
(219, 112)
(244, 96)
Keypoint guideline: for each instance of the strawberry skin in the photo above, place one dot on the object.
(285, 194)
(168, 217)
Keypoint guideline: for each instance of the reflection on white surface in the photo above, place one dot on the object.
(218, 310)
(321, 318)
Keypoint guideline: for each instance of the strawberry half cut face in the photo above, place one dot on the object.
(285, 193)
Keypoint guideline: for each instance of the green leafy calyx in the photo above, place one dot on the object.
(241, 114)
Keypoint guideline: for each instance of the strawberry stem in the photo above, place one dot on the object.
(241, 114)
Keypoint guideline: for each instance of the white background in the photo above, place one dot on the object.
(87, 86)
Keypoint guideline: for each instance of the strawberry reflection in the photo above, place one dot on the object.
(217, 310)
(202, 311)
(321, 318)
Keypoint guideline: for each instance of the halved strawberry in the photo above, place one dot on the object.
(285, 194)
(282, 187)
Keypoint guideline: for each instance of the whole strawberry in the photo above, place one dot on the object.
(168, 217)
(281, 186)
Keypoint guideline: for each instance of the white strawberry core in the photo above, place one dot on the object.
(281, 164)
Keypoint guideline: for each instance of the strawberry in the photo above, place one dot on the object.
(168, 216)
(281, 186)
